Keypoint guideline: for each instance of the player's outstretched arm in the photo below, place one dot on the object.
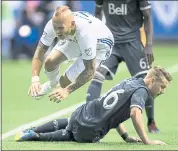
(123, 133)
(37, 63)
(98, 9)
(84, 76)
(136, 117)
(46, 40)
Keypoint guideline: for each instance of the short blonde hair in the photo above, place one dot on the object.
(159, 73)
(61, 9)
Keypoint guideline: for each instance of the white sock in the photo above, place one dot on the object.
(53, 77)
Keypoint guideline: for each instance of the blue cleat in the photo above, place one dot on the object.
(27, 135)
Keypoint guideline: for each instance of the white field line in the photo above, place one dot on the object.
(172, 70)
(41, 120)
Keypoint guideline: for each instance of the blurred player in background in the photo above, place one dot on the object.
(94, 119)
(78, 38)
(125, 19)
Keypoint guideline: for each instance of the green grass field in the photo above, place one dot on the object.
(19, 109)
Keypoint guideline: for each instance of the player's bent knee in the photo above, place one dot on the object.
(64, 81)
(50, 64)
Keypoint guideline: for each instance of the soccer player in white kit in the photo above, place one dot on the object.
(81, 36)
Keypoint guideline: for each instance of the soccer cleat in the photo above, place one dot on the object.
(45, 89)
(152, 128)
(26, 135)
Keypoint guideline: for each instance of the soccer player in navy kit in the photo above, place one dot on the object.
(125, 18)
(93, 120)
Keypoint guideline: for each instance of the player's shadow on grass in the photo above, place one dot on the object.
(80, 144)
(120, 143)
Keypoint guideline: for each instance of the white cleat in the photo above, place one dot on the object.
(45, 89)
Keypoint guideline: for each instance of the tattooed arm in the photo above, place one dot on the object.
(38, 58)
(84, 77)
(45, 41)
(37, 63)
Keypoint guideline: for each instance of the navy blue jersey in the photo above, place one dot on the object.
(112, 108)
(124, 17)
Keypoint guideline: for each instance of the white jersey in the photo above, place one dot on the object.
(91, 35)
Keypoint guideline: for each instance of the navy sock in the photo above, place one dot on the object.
(52, 126)
(59, 135)
(94, 90)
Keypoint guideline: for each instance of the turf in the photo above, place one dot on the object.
(18, 108)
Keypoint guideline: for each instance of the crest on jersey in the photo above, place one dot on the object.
(88, 52)
(44, 34)
(61, 42)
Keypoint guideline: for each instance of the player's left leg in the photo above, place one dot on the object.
(59, 135)
(136, 63)
(73, 71)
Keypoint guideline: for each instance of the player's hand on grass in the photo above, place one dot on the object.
(35, 87)
(149, 54)
(59, 94)
(131, 139)
(156, 142)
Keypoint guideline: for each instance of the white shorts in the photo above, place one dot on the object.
(71, 50)
(77, 67)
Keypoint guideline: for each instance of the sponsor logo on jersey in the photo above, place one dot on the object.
(122, 10)
(61, 42)
(88, 52)
(44, 34)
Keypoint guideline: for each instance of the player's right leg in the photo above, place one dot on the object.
(60, 53)
(52, 71)
(51, 126)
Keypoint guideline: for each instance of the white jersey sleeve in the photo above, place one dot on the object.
(87, 44)
(48, 34)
